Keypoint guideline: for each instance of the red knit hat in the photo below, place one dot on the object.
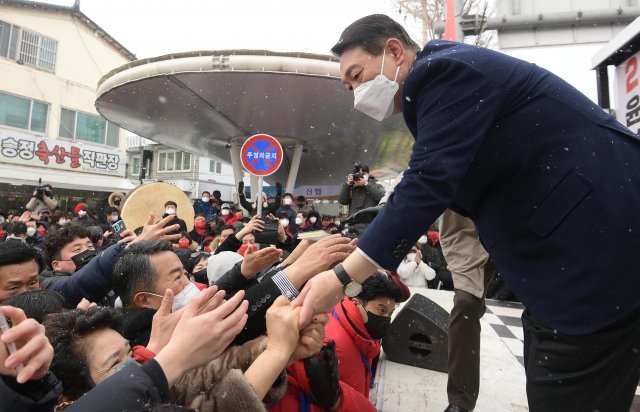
(79, 207)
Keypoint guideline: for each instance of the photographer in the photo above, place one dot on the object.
(359, 192)
(42, 198)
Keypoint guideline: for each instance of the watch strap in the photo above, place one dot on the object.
(342, 274)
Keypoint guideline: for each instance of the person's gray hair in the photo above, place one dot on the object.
(134, 271)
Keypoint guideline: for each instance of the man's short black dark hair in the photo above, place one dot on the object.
(16, 228)
(112, 209)
(380, 286)
(134, 271)
(60, 238)
(216, 193)
(225, 227)
(207, 192)
(13, 253)
(371, 33)
(170, 203)
(67, 331)
(199, 214)
(49, 186)
(37, 304)
(96, 233)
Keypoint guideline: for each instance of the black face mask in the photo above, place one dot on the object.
(377, 325)
(82, 258)
(201, 275)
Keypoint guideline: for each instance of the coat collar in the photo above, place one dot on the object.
(350, 319)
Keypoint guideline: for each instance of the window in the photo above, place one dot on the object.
(135, 165)
(28, 47)
(23, 113)
(88, 128)
(174, 162)
(215, 167)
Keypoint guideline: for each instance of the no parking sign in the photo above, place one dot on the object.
(261, 155)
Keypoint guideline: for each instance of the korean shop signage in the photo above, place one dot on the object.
(25, 149)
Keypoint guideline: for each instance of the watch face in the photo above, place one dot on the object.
(353, 289)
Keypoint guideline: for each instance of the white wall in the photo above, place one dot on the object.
(82, 58)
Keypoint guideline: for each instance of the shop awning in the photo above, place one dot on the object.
(23, 175)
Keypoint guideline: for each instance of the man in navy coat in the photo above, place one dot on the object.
(551, 181)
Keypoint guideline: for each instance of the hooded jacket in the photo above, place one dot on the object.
(355, 349)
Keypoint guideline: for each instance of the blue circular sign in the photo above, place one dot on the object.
(261, 155)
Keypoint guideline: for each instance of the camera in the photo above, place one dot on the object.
(41, 191)
(357, 167)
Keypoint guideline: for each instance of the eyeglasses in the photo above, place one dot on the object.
(196, 255)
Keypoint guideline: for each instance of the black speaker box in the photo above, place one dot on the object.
(418, 336)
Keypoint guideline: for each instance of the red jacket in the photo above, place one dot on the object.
(297, 396)
(355, 349)
(229, 219)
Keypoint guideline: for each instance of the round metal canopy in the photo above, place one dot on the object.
(202, 101)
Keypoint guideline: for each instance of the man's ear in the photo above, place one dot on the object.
(142, 300)
(55, 265)
(396, 49)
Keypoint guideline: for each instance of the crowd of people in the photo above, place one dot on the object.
(88, 299)
(251, 312)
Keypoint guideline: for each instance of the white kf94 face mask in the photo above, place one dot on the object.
(375, 97)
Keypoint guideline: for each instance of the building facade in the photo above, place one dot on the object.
(51, 58)
(153, 162)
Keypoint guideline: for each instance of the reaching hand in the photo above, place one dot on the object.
(158, 230)
(311, 339)
(127, 236)
(163, 324)
(282, 327)
(282, 234)
(34, 352)
(204, 330)
(255, 224)
(256, 262)
(25, 217)
(323, 255)
(319, 295)
(86, 304)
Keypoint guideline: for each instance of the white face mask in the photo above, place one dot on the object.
(82, 213)
(298, 221)
(284, 222)
(31, 231)
(411, 257)
(183, 298)
(288, 201)
(313, 219)
(423, 240)
(205, 199)
(115, 218)
(62, 222)
(365, 178)
(337, 222)
(170, 211)
(225, 212)
(375, 97)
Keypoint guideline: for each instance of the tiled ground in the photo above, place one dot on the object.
(504, 318)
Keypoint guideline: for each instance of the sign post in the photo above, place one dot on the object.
(261, 155)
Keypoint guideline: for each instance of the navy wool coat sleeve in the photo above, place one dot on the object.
(550, 179)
